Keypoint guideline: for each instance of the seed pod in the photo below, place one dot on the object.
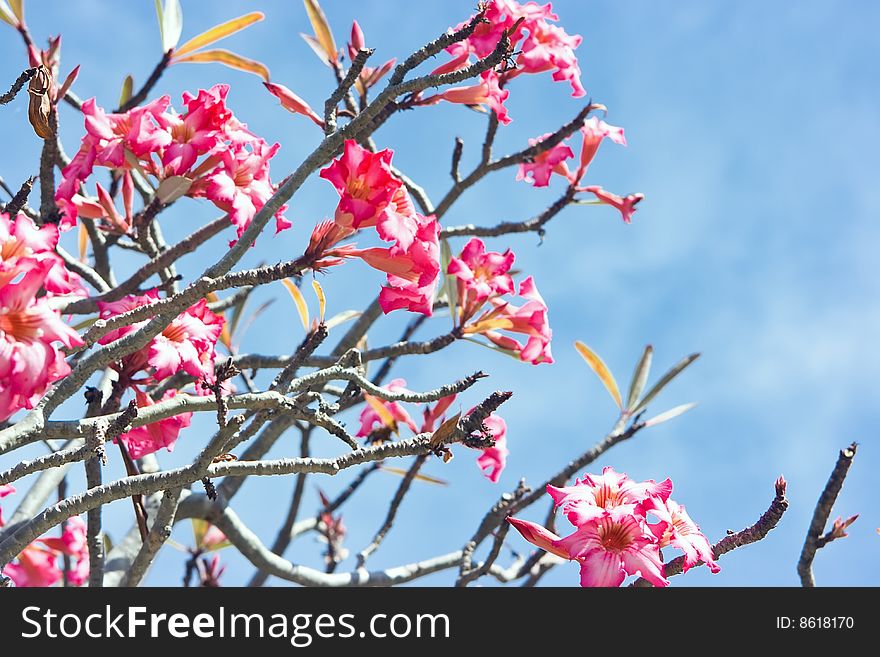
(40, 105)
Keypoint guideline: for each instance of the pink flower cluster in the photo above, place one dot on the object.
(613, 537)
(541, 47)
(220, 159)
(372, 196)
(482, 279)
(553, 161)
(185, 345)
(37, 564)
(381, 418)
(30, 358)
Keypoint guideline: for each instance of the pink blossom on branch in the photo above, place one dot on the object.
(493, 459)
(29, 329)
(152, 437)
(612, 537)
(626, 205)
(293, 103)
(488, 92)
(551, 161)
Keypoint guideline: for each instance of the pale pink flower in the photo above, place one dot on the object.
(626, 205)
(29, 329)
(551, 161)
(371, 419)
(676, 528)
(293, 103)
(152, 437)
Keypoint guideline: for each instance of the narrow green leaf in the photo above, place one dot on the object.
(127, 89)
(664, 381)
(450, 283)
(640, 377)
(601, 369)
(668, 415)
(341, 318)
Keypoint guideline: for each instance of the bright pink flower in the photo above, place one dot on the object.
(37, 564)
(480, 276)
(197, 132)
(626, 205)
(412, 272)
(612, 547)
(293, 103)
(549, 48)
(493, 459)
(186, 344)
(595, 495)
(6, 489)
(22, 244)
(371, 419)
(137, 130)
(529, 319)
(152, 437)
(593, 132)
(538, 535)
(241, 184)
(488, 92)
(369, 76)
(550, 161)
(29, 359)
(677, 529)
(365, 185)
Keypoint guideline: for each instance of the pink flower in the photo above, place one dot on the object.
(186, 344)
(6, 489)
(37, 564)
(549, 48)
(365, 185)
(529, 319)
(550, 161)
(493, 459)
(488, 92)
(241, 184)
(152, 437)
(612, 538)
(382, 414)
(433, 416)
(593, 132)
(29, 328)
(197, 132)
(677, 529)
(594, 495)
(626, 205)
(412, 272)
(369, 76)
(480, 275)
(137, 130)
(23, 244)
(612, 547)
(293, 103)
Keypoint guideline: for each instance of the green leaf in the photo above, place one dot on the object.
(601, 369)
(640, 377)
(127, 87)
(227, 58)
(664, 381)
(341, 318)
(172, 24)
(322, 29)
(172, 188)
(450, 284)
(668, 415)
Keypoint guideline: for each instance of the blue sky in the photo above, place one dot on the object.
(752, 131)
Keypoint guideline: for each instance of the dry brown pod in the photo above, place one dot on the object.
(40, 106)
